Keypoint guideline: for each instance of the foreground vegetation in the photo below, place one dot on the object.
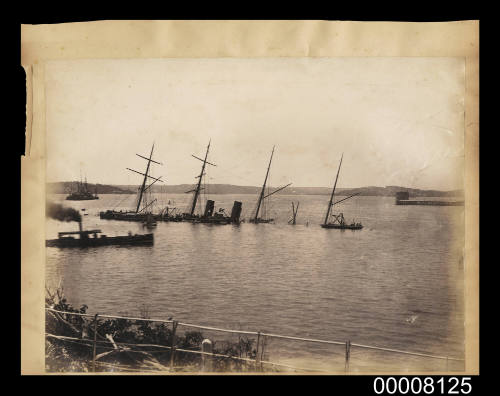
(72, 349)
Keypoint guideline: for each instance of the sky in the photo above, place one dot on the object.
(398, 121)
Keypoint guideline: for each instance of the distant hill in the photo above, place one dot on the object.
(388, 191)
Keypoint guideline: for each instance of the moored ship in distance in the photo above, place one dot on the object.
(89, 238)
(82, 192)
(338, 221)
(141, 213)
(263, 196)
(210, 215)
(403, 198)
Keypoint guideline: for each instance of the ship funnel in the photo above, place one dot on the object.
(209, 208)
(236, 212)
(80, 225)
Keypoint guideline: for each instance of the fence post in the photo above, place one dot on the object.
(172, 346)
(263, 346)
(95, 342)
(347, 354)
(206, 347)
(257, 357)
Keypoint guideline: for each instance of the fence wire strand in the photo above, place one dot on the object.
(117, 344)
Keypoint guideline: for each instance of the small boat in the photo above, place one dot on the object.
(333, 221)
(89, 238)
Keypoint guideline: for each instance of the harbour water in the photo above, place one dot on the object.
(397, 283)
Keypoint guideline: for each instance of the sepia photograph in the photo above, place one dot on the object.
(243, 215)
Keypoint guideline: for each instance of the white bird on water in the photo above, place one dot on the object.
(412, 319)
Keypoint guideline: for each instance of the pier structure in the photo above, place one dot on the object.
(403, 198)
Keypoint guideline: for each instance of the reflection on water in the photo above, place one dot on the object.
(396, 283)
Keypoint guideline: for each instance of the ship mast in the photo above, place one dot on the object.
(198, 186)
(261, 196)
(143, 186)
(333, 192)
(80, 182)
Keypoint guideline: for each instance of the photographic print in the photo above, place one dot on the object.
(245, 214)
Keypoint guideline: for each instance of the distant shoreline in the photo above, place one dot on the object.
(226, 189)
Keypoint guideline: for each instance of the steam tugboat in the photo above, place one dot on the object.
(337, 221)
(89, 238)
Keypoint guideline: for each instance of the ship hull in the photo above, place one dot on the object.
(258, 221)
(211, 220)
(81, 198)
(342, 227)
(125, 216)
(128, 240)
(430, 203)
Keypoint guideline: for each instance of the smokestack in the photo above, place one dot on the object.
(209, 209)
(80, 225)
(236, 212)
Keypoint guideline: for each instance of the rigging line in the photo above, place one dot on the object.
(121, 200)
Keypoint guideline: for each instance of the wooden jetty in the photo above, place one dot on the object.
(403, 198)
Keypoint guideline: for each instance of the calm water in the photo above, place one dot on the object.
(397, 283)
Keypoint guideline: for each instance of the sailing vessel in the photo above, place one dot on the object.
(144, 213)
(82, 192)
(210, 216)
(255, 218)
(338, 221)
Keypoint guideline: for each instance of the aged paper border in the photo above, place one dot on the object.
(209, 39)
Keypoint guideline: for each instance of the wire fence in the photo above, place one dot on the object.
(174, 350)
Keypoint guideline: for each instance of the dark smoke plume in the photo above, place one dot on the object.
(61, 213)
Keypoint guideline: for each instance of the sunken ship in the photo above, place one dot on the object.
(209, 216)
(338, 221)
(144, 214)
(263, 197)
